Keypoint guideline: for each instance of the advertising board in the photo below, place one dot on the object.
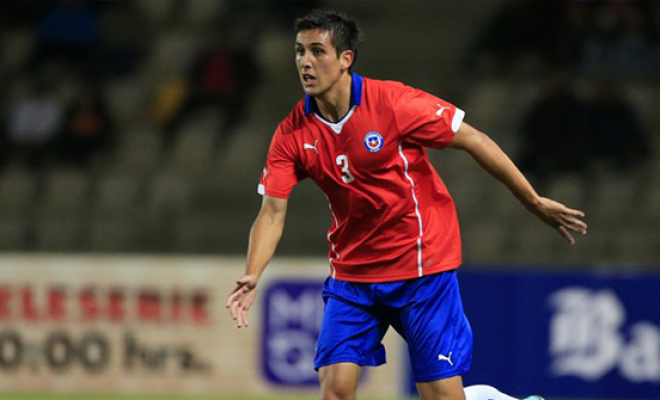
(564, 334)
(156, 325)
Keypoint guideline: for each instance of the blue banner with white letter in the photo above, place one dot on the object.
(293, 311)
(557, 334)
(574, 335)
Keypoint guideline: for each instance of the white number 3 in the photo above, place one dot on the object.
(346, 176)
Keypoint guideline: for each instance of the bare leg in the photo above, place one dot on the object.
(339, 381)
(443, 389)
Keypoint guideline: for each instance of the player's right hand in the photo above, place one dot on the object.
(241, 298)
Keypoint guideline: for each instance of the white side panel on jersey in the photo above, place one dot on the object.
(261, 189)
(419, 216)
(333, 271)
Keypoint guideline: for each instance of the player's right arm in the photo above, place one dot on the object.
(264, 237)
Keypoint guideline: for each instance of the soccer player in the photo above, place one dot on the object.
(394, 241)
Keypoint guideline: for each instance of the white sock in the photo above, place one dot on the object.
(485, 392)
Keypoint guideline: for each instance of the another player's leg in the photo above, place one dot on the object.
(485, 392)
(443, 389)
(339, 381)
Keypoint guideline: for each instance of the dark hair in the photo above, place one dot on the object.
(345, 33)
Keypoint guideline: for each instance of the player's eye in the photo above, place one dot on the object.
(300, 51)
(318, 52)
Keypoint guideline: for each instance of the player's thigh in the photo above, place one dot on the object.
(339, 381)
(443, 389)
(438, 333)
(350, 333)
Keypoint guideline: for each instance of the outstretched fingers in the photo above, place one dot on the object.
(565, 220)
(566, 234)
(573, 224)
(243, 314)
(243, 307)
(233, 308)
(570, 220)
(575, 213)
(234, 300)
(239, 303)
(232, 297)
(240, 317)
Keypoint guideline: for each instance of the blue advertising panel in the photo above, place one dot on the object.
(293, 311)
(572, 335)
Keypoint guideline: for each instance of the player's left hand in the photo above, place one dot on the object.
(562, 218)
(241, 298)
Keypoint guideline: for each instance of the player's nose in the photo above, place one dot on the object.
(305, 61)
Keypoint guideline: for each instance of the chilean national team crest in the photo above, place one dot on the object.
(373, 141)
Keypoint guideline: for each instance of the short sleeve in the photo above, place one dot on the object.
(425, 119)
(281, 172)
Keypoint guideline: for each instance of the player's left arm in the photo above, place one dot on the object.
(491, 158)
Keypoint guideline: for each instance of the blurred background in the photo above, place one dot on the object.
(142, 126)
(139, 129)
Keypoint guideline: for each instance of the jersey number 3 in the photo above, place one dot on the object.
(346, 175)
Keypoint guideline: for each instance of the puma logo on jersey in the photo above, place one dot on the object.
(309, 146)
(439, 112)
(446, 358)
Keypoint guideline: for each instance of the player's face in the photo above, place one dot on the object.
(319, 66)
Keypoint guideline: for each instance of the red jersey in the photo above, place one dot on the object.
(393, 218)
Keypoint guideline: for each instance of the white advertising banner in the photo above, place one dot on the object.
(142, 324)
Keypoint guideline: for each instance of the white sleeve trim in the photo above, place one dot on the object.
(261, 189)
(457, 120)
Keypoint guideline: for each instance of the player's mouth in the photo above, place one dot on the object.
(308, 79)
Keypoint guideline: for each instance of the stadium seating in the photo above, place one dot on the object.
(199, 194)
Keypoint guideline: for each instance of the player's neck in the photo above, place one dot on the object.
(335, 103)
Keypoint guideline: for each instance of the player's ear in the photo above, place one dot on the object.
(346, 58)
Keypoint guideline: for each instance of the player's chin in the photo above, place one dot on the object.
(309, 90)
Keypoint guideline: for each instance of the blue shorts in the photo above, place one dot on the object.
(427, 312)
